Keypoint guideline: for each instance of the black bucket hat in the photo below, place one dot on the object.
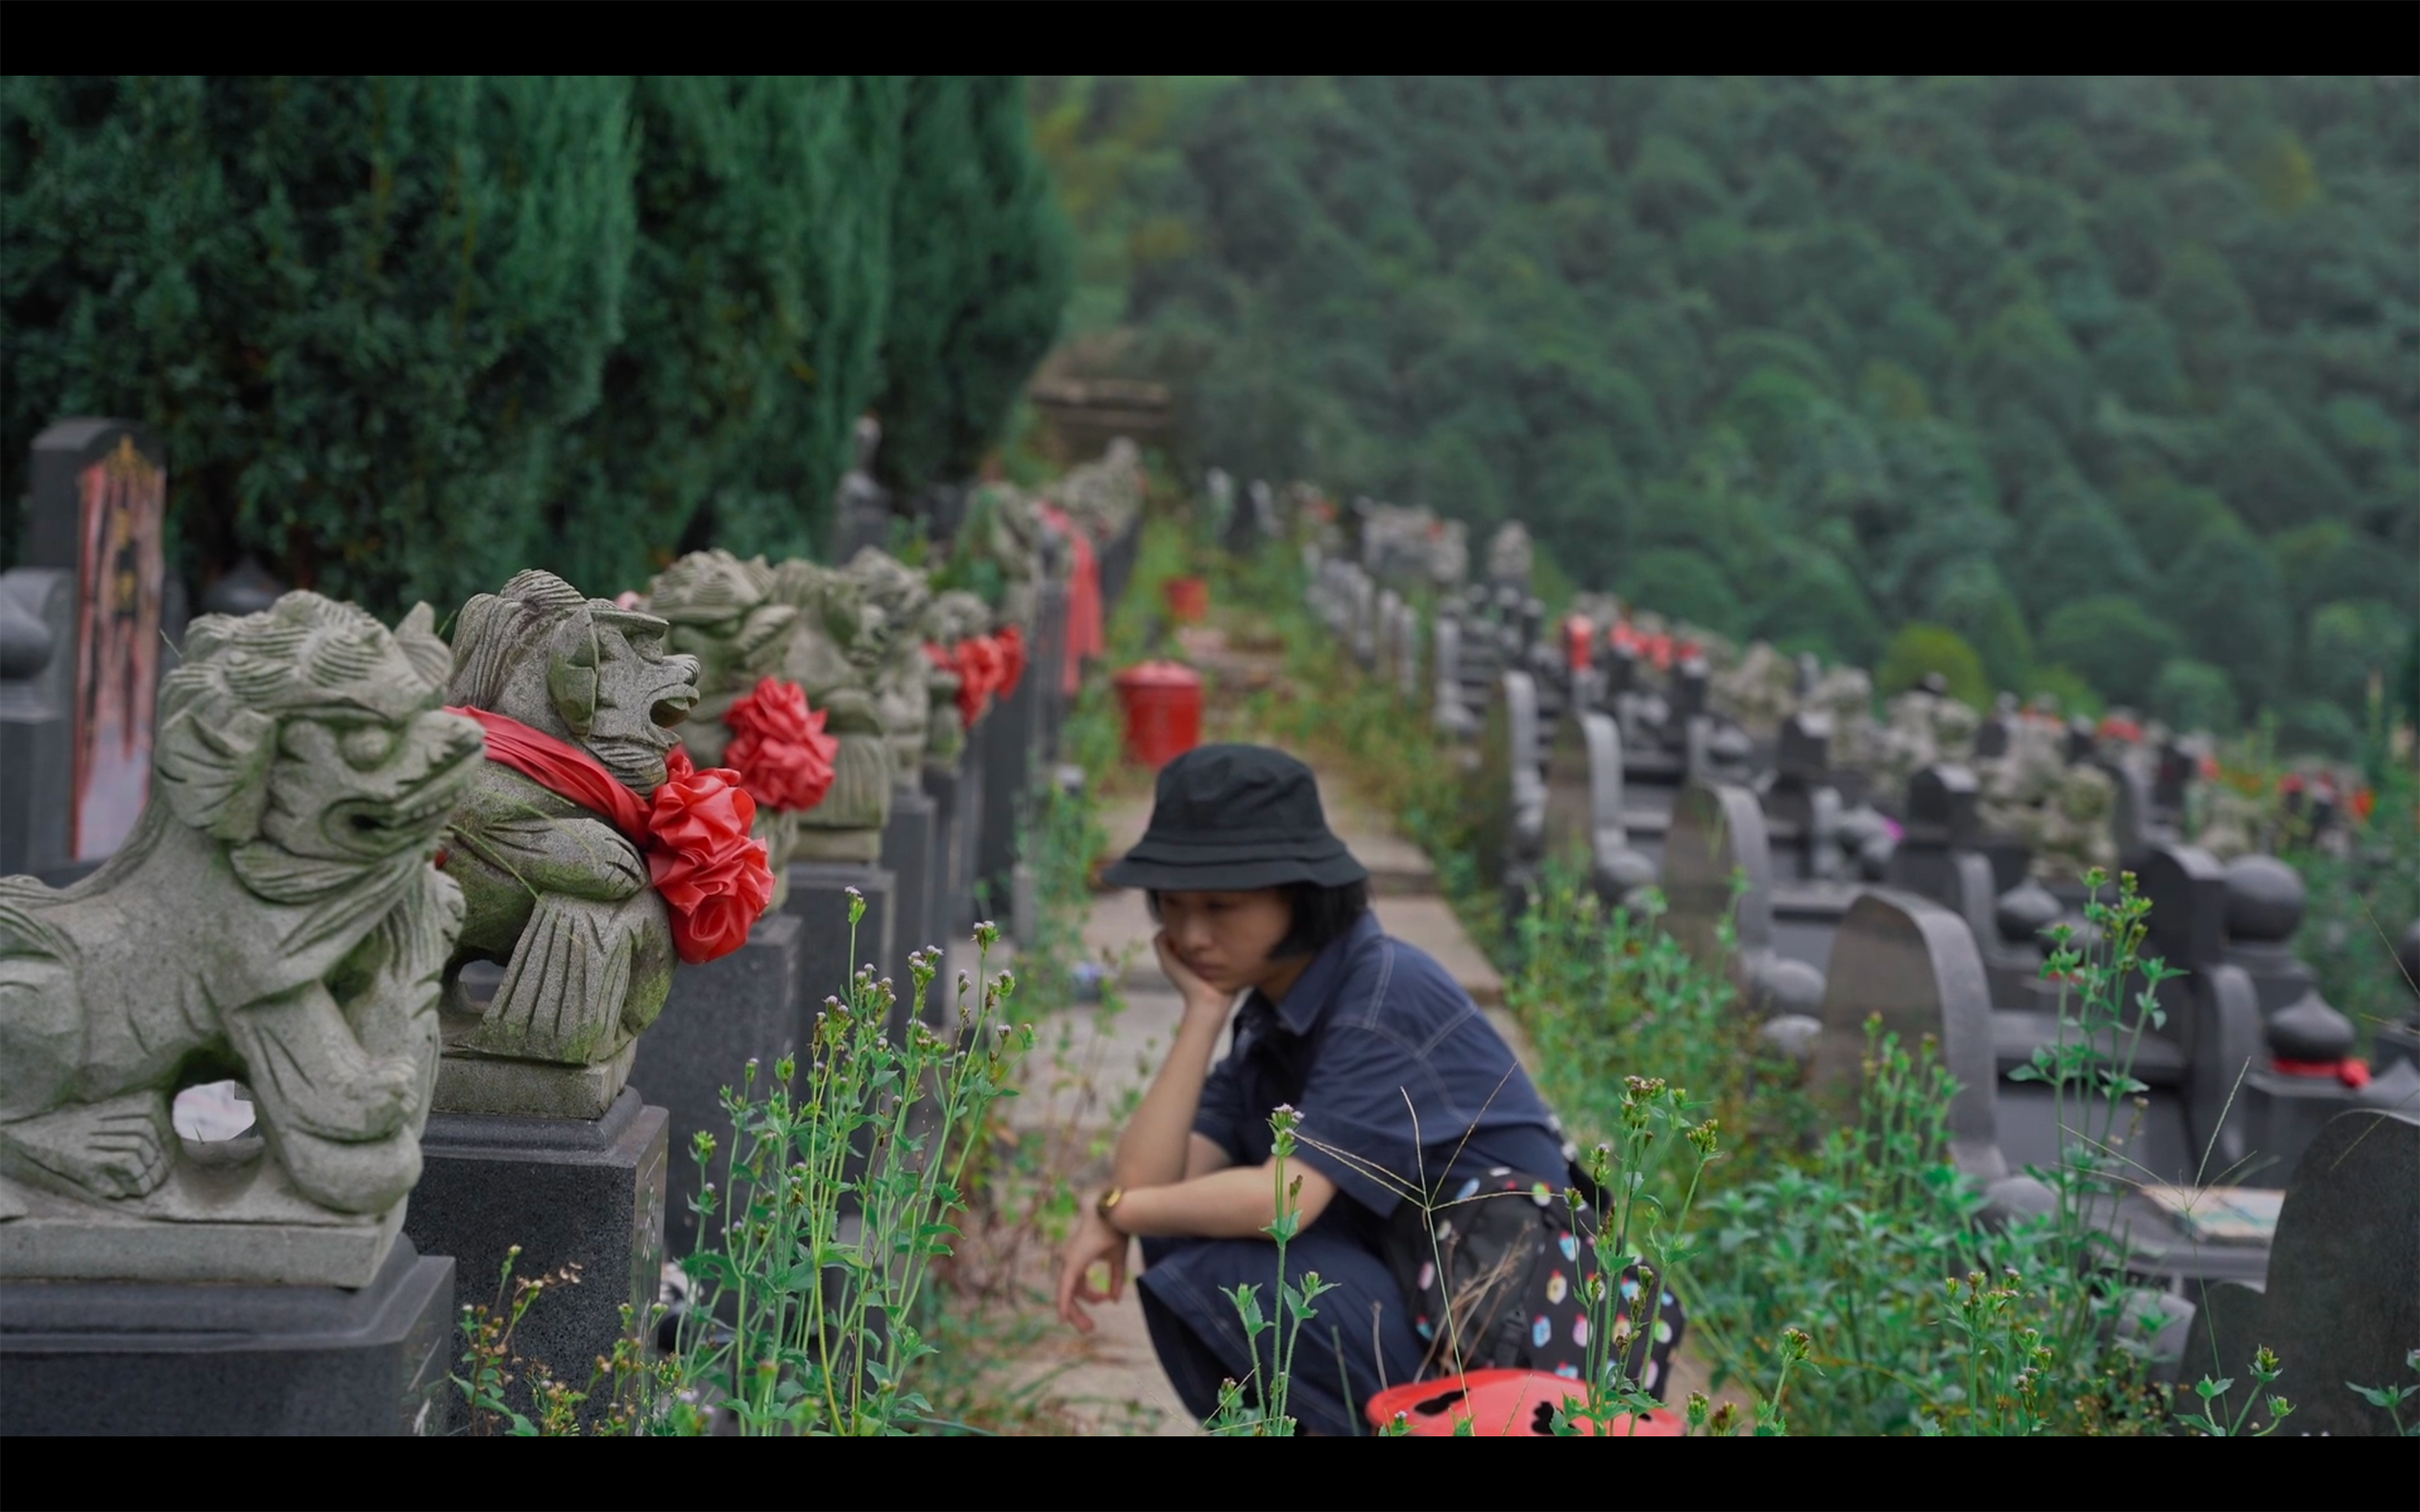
(1231, 818)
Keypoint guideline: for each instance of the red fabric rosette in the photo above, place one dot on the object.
(714, 878)
(981, 668)
(779, 747)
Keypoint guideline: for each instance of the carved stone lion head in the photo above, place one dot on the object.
(579, 669)
(722, 612)
(315, 729)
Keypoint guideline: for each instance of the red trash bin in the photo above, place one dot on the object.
(1188, 600)
(1162, 701)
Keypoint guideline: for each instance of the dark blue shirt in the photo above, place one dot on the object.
(1400, 1079)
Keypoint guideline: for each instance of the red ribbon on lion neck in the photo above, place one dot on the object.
(714, 878)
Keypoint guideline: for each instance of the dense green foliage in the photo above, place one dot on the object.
(976, 294)
(404, 336)
(1816, 358)
(357, 312)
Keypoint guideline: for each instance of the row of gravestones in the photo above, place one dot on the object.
(1939, 925)
(271, 1080)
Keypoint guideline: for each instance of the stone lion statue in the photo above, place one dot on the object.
(275, 919)
(553, 892)
(835, 653)
(722, 612)
(903, 697)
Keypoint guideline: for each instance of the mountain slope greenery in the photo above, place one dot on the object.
(403, 336)
(2114, 378)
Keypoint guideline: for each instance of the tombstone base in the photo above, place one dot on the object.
(819, 900)
(837, 847)
(201, 1228)
(909, 847)
(569, 1191)
(496, 1087)
(2285, 1113)
(144, 1358)
(720, 1016)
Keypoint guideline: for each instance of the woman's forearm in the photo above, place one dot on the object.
(1239, 1202)
(1151, 1150)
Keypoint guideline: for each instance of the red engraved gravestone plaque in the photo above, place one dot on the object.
(123, 504)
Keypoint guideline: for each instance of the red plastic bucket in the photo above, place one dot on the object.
(1162, 703)
(1500, 1404)
(1188, 600)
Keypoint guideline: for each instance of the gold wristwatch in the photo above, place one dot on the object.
(1108, 1201)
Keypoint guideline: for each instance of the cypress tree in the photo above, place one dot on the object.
(357, 310)
(751, 285)
(982, 265)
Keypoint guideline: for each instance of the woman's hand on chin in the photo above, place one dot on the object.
(1094, 1244)
(1199, 995)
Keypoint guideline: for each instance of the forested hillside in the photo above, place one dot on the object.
(2115, 378)
(403, 336)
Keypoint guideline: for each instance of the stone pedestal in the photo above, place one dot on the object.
(1007, 778)
(953, 826)
(569, 1191)
(144, 1359)
(819, 900)
(719, 1016)
(907, 855)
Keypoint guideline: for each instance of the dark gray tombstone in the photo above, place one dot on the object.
(1008, 777)
(2263, 1051)
(1717, 833)
(1936, 858)
(1801, 766)
(98, 511)
(959, 790)
(1362, 625)
(1620, 665)
(1691, 681)
(1047, 670)
(1511, 792)
(1914, 963)
(584, 1192)
(909, 844)
(1407, 647)
(1618, 869)
(2340, 1303)
(2173, 778)
(1993, 735)
(1452, 714)
(1384, 655)
(720, 1016)
(125, 1360)
(819, 899)
(2214, 1009)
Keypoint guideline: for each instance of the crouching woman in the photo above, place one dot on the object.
(1400, 1082)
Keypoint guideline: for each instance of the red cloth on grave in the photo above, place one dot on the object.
(1085, 637)
(693, 830)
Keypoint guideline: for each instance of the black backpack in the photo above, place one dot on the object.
(1498, 1266)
